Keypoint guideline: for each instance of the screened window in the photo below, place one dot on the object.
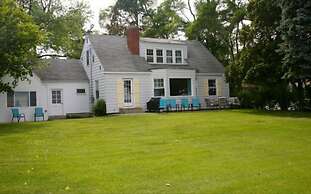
(56, 97)
(159, 87)
(178, 56)
(169, 56)
(180, 87)
(212, 87)
(88, 57)
(21, 99)
(150, 55)
(97, 89)
(159, 56)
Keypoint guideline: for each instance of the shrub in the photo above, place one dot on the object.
(100, 108)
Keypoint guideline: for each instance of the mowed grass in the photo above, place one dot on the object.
(233, 151)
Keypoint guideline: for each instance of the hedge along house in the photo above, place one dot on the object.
(127, 71)
(60, 88)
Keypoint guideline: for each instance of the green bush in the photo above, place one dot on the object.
(100, 108)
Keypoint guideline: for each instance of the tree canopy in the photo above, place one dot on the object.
(19, 38)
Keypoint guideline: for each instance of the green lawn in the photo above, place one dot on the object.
(237, 151)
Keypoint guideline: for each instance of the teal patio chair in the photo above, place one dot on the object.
(38, 113)
(16, 115)
(196, 103)
(184, 102)
(173, 104)
(163, 104)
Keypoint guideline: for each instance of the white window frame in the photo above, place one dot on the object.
(150, 55)
(128, 104)
(61, 96)
(29, 100)
(158, 56)
(158, 87)
(214, 87)
(175, 56)
(171, 57)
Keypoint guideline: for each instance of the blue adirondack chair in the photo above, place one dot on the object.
(38, 113)
(173, 104)
(163, 104)
(16, 115)
(184, 104)
(196, 103)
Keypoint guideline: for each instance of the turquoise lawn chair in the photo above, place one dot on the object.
(38, 113)
(163, 104)
(173, 104)
(196, 103)
(185, 104)
(16, 115)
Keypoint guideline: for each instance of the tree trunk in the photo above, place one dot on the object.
(300, 95)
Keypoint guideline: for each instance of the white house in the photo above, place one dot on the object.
(60, 88)
(128, 71)
(124, 71)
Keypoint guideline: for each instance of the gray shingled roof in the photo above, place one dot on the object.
(113, 53)
(62, 70)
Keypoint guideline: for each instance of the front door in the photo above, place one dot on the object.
(57, 106)
(128, 92)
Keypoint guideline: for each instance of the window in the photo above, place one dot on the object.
(150, 55)
(159, 56)
(212, 87)
(97, 89)
(21, 99)
(127, 91)
(80, 91)
(93, 58)
(178, 56)
(33, 98)
(10, 99)
(158, 87)
(180, 87)
(169, 56)
(56, 97)
(88, 57)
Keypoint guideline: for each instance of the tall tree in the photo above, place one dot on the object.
(19, 38)
(124, 13)
(295, 27)
(165, 22)
(208, 28)
(63, 25)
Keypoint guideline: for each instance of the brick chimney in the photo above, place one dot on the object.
(133, 40)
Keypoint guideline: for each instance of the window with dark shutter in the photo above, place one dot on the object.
(33, 99)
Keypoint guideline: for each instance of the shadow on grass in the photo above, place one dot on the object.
(11, 128)
(290, 114)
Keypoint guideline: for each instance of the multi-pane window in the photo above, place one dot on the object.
(178, 56)
(169, 56)
(212, 87)
(127, 91)
(159, 87)
(80, 91)
(56, 97)
(150, 55)
(159, 53)
(88, 57)
(97, 89)
(21, 99)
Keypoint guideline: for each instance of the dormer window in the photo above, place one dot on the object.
(169, 56)
(178, 56)
(159, 53)
(150, 55)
